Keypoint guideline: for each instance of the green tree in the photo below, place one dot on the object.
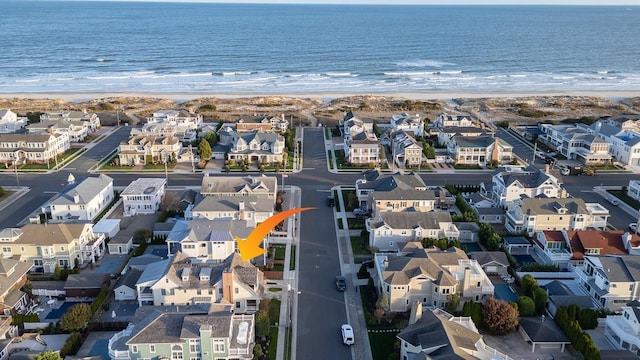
(57, 273)
(453, 303)
(499, 317)
(428, 150)
(262, 323)
(526, 306)
(204, 150)
(528, 284)
(540, 300)
(76, 317)
(49, 355)
(211, 137)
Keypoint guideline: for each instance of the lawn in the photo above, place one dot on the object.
(274, 311)
(158, 166)
(350, 199)
(292, 258)
(382, 344)
(6, 194)
(273, 342)
(340, 226)
(336, 199)
(356, 246)
(624, 197)
(278, 251)
(355, 223)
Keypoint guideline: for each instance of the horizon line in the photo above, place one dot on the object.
(369, 3)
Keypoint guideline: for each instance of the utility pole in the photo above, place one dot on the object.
(15, 165)
(535, 148)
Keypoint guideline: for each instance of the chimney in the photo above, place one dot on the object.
(227, 285)
(385, 263)
(241, 210)
(76, 198)
(546, 169)
(416, 313)
(563, 193)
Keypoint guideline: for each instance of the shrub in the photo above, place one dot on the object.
(540, 300)
(529, 284)
(526, 306)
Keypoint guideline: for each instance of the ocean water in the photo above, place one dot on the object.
(70, 46)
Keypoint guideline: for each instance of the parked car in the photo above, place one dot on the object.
(360, 212)
(347, 334)
(368, 263)
(341, 283)
(614, 201)
(633, 227)
(565, 171)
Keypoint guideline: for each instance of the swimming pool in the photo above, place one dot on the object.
(469, 247)
(503, 292)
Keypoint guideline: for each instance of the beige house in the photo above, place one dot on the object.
(479, 150)
(45, 245)
(429, 276)
(144, 149)
(13, 275)
(406, 151)
(392, 230)
(32, 148)
(76, 129)
(261, 186)
(257, 147)
(181, 281)
(91, 119)
(532, 215)
(251, 209)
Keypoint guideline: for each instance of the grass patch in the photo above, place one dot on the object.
(355, 223)
(287, 349)
(625, 198)
(278, 251)
(382, 344)
(327, 134)
(157, 166)
(278, 267)
(273, 342)
(350, 200)
(330, 158)
(292, 258)
(274, 311)
(356, 246)
(6, 194)
(340, 226)
(275, 290)
(336, 199)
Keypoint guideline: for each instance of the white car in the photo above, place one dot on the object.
(565, 171)
(614, 201)
(347, 334)
(633, 227)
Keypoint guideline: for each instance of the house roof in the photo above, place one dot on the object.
(400, 270)
(530, 177)
(448, 337)
(232, 203)
(486, 257)
(584, 301)
(543, 330)
(550, 206)
(50, 234)
(413, 220)
(86, 190)
(516, 240)
(165, 327)
(208, 230)
(621, 268)
(86, 281)
(129, 279)
(144, 186)
(144, 259)
(555, 287)
(609, 242)
(11, 271)
(238, 186)
(482, 141)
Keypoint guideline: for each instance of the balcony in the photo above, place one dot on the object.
(115, 342)
(557, 254)
(623, 330)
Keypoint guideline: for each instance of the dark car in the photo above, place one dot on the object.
(341, 283)
(368, 263)
(331, 201)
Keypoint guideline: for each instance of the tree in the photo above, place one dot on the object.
(262, 323)
(529, 284)
(57, 273)
(211, 137)
(453, 303)
(540, 300)
(499, 317)
(428, 150)
(76, 317)
(204, 150)
(49, 355)
(526, 306)
(381, 307)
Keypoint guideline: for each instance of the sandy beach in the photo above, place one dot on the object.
(327, 96)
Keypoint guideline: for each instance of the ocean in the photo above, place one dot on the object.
(74, 46)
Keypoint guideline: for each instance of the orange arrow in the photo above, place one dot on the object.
(250, 247)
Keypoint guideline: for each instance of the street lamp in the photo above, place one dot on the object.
(165, 156)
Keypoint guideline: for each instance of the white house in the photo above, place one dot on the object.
(91, 119)
(32, 148)
(510, 186)
(10, 122)
(408, 123)
(429, 276)
(633, 190)
(125, 288)
(206, 240)
(624, 330)
(406, 151)
(479, 150)
(612, 281)
(182, 122)
(625, 143)
(392, 230)
(361, 145)
(143, 196)
(257, 147)
(447, 120)
(576, 142)
(76, 129)
(82, 201)
(260, 186)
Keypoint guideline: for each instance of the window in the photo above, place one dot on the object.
(237, 304)
(218, 345)
(478, 284)
(152, 348)
(134, 348)
(194, 346)
(176, 352)
(236, 290)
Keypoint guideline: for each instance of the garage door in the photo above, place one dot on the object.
(492, 269)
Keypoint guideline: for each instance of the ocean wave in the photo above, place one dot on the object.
(341, 74)
(423, 73)
(423, 63)
(100, 60)
(232, 73)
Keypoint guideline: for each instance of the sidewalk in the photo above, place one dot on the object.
(19, 192)
(602, 191)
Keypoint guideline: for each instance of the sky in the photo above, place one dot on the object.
(417, 2)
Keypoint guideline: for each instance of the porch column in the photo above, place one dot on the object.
(562, 348)
(533, 346)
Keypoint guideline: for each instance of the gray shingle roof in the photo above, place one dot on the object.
(550, 206)
(541, 331)
(10, 273)
(237, 186)
(232, 203)
(486, 257)
(412, 220)
(86, 189)
(208, 230)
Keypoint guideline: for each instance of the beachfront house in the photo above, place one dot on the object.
(180, 280)
(612, 281)
(262, 186)
(406, 151)
(264, 124)
(10, 122)
(625, 143)
(206, 240)
(82, 201)
(19, 149)
(447, 120)
(142, 149)
(429, 276)
(408, 123)
(624, 330)
(390, 231)
(13, 275)
(256, 147)
(76, 129)
(182, 123)
(143, 196)
(92, 119)
(361, 146)
(532, 215)
(511, 185)
(576, 143)
(185, 333)
(479, 150)
(47, 245)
